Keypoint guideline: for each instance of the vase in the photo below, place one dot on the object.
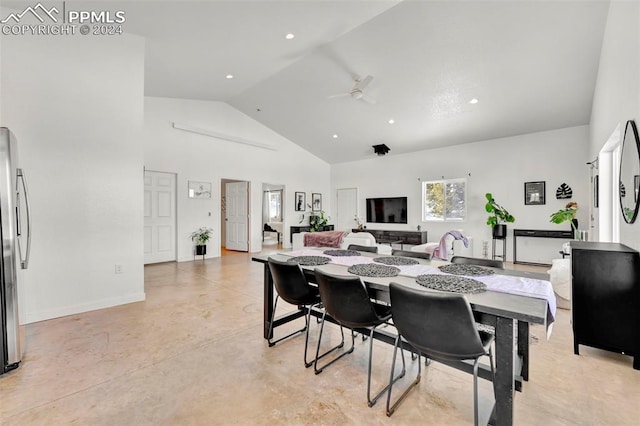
(500, 231)
(201, 250)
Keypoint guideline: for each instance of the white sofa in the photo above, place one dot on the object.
(359, 238)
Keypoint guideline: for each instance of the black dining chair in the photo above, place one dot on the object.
(493, 263)
(292, 286)
(357, 247)
(346, 300)
(440, 326)
(408, 253)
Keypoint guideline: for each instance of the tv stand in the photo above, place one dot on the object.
(403, 237)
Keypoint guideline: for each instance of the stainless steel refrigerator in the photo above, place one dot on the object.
(15, 232)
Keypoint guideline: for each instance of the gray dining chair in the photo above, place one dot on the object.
(493, 263)
(440, 326)
(357, 247)
(292, 286)
(347, 301)
(408, 253)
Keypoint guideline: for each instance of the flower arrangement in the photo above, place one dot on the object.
(358, 222)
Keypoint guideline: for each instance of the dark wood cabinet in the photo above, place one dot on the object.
(406, 237)
(306, 228)
(606, 298)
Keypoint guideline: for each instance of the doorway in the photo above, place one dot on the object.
(159, 217)
(234, 215)
(272, 216)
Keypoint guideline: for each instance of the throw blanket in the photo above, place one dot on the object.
(442, 251)
(324, 239)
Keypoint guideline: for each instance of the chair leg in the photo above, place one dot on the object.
(315, 363)
(392, 409)
(308, 364)
(372, 401)
(475, 391)
(273, 316)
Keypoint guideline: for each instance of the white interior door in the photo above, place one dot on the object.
(346, 209)
(159, 217)
(237, 216)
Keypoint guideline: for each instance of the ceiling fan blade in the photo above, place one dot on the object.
(361, 84)
(339, 95)
(368, 99)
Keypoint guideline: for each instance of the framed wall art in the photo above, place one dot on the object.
(534, 193)
(199, 189)
(316, 202)
(301, 201)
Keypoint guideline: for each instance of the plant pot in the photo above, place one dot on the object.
(500, 231)
(201, 250)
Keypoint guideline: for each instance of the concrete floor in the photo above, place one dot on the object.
(193, 354)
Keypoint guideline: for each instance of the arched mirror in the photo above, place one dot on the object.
(630, 173)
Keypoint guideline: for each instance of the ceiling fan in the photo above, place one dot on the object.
(357, 91)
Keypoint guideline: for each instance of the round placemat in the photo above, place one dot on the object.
(465, 269)
(309, 260)
(373, 270)
(450, 283)
(341, 253)
(396, 260)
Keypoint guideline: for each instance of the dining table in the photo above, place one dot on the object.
(513, 300)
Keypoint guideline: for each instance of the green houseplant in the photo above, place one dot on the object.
(200, 237)
(498, 216)
(317, 220)
(567, 214)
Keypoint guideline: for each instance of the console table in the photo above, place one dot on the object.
(537, 233)
(401, 237)
(306, 228)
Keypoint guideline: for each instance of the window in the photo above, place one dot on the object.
(444, 200)
(275, 206)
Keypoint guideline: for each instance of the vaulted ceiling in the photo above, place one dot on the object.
(531, 66)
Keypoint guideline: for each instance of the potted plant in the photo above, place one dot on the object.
(567, 214)
(317, 220)
(498, 215)
(200, 237)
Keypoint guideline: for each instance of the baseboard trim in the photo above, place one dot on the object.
(31, 317)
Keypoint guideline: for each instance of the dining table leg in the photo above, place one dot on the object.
(504, 378)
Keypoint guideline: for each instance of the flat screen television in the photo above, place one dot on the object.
(387, 210)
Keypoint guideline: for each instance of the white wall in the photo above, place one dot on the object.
(499, 166)
(75, 105)
(617, 92)
(203, 158)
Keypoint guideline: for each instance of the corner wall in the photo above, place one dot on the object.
(75, 105)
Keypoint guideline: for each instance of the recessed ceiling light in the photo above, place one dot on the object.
(391, 121)
(229, 76)
(289, 36)
(335, 136)
(473, 101)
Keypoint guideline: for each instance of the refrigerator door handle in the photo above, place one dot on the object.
(24, 263)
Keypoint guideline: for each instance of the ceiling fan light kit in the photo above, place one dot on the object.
(381, 149)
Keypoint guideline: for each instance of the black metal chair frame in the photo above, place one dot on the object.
(436, 356)
(352, 325)
(307, 320)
